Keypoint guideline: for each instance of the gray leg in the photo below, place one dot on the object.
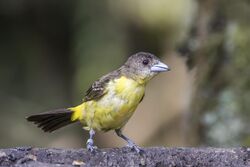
(131, 144)
(90, 141)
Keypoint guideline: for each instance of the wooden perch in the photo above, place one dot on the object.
(159, 156)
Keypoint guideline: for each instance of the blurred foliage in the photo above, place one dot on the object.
(52, 51)
(221, 115)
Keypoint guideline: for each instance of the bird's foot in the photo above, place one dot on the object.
(90, 145)
(136, 148)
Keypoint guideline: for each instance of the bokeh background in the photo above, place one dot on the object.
(51, 51)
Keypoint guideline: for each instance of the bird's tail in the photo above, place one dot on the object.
(53, 120)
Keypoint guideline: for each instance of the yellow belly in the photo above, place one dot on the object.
(115, 108)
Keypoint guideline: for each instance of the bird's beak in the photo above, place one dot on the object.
(159, 67)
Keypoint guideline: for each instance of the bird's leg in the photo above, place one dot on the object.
(90, 141)
(131, 144)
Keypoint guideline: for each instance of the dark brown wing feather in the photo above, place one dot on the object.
(97, 89)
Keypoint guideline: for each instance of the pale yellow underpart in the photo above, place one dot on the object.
(114, 109)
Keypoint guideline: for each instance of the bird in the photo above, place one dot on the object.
(109, 102)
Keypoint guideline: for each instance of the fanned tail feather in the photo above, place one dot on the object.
(52, 120)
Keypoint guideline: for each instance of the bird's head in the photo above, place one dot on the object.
(144, 66)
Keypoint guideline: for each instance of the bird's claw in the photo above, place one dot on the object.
(136, 148)
(91, 148)
(90, 145)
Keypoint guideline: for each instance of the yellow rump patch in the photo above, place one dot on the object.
(77, 112)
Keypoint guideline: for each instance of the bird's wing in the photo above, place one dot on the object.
(97, 89)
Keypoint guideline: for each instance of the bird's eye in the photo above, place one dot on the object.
(145, 61)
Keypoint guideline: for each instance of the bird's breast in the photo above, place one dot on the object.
(114, 109)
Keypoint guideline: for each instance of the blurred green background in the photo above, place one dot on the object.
(51, 51)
